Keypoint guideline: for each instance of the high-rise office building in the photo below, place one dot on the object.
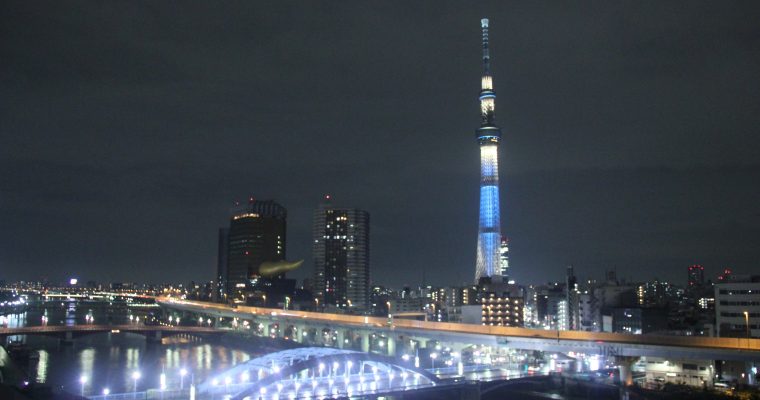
(256, 235)
(488, 135)
(341, 256)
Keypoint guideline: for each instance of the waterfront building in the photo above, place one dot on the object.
(341, 256)
(489, 228)
(256, 234)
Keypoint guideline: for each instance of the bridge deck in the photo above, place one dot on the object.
(47, 329)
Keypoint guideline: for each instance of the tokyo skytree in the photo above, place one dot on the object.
(489, 227)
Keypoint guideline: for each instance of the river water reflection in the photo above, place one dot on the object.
(109, 360)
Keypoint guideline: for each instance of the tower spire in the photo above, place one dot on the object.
(487, 95)
(486, 55)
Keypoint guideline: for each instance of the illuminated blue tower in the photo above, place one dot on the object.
(489, 228)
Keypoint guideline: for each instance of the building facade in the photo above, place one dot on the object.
(737, 308)
(501, 303)
(504, 256)
(256, 234)
(341, 256)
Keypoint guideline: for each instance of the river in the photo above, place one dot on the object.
(109, 361)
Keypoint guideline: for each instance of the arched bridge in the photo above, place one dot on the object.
(316, 372)
(69, 332)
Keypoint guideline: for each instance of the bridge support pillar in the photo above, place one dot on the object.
(365, 342)
(154, 337)
(341, 338)
(68, 338)
(625, 365)
(391, 346)
(295, 333)
(301, 338)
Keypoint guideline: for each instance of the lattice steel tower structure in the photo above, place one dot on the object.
(489, 227)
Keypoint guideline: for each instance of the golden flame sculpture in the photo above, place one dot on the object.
(269, 269)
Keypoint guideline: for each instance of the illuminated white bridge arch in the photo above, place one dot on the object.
(316, 372)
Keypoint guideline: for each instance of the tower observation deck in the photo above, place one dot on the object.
(488, 135)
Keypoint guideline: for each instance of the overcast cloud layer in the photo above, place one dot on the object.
(129, 128)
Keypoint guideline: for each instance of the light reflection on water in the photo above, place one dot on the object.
(108, 360)
(86, 362)
(42, 366)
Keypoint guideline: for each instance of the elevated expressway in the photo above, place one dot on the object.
(460, 335)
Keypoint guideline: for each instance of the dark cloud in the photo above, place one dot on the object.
(129, 128)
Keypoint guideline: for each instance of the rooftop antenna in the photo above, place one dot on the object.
(486, 54)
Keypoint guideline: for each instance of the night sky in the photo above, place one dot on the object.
(128, 129)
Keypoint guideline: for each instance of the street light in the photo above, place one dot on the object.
(82, 381)
(433, 356)
(106, 391)
(182, 374)
(388, 303)
(135, 376)
(746, 321)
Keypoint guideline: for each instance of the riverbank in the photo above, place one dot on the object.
(10, 374)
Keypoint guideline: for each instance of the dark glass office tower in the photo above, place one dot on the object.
(256, 235)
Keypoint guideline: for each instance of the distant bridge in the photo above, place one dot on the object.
(69, 332)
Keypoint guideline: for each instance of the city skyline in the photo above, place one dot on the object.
(630, 135)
